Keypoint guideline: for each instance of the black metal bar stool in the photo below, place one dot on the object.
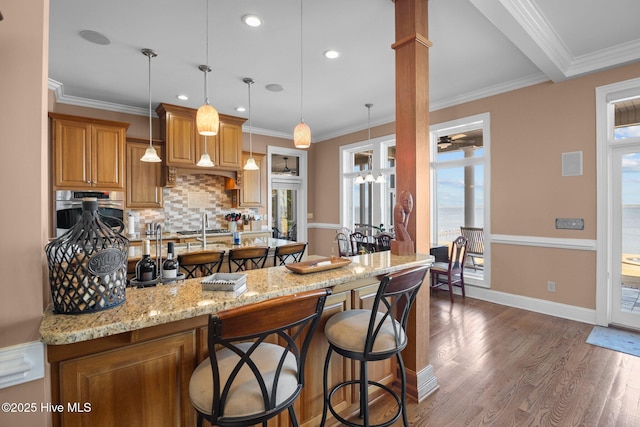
(247, 258)
(197, 264)
(292, 251)
(247, 378)
(370, 335)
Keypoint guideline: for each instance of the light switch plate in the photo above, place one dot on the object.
(569, 223)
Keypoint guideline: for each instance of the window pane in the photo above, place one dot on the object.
(390, 161)
(627, 119)
(460, 145)
(361, 160)
(460, 200)
(285, 165)
(627, 132)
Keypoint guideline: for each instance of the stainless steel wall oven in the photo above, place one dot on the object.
(68, 208)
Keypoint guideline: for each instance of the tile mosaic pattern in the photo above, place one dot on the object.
(177, 215)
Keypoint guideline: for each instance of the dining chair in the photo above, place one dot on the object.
(361, 242)
(451, 273)
(383, 241)
(367, 335)
(198, 264)
(249, 258)
(292, 252)
(475, 245)
(344, 245)
(248, 377)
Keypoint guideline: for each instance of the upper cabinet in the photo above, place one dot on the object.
(184, 145)
(88, 153)
(247, 189)
(144, 179)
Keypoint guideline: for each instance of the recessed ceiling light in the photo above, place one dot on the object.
(241, 109)
(252, 20)
(273, 87)
(182, 97)
(331, 54)
(94, 37)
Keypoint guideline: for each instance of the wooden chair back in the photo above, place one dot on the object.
(383, 241)
(292, 252)
(249, 258)
(199, 264)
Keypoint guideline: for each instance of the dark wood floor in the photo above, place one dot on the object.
(502, 366)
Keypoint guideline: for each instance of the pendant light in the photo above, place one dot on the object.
(205, 159)
(251, 163)
(302, 132)
(207, 118)
(150, 155)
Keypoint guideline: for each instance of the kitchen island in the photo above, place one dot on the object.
(147, 347)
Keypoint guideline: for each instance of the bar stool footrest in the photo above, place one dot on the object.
(383, 387)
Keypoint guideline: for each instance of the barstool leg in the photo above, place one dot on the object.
(325, 381)
(403, 392)
(364, 398)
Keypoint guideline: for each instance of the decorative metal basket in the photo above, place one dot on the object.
(88, 265)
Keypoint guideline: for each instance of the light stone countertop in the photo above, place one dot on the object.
(154, 306)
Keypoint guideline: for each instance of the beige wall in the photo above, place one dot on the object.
(24, 172)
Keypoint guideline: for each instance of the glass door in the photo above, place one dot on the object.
(625, 292)
(284, 210)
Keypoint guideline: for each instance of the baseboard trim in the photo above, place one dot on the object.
(421, 385)
(564, 311)
(21, 363)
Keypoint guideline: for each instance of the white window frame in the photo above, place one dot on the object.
(479, 121)
(379, 146)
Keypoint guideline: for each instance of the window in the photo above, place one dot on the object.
(368, 185)
(459, 196)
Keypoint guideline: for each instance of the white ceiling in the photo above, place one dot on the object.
(480, 48)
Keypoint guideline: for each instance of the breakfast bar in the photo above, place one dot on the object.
(147, 347)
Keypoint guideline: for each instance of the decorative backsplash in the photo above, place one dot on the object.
(182, 203)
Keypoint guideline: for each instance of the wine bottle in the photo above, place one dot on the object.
(170, 265)
(146, 267)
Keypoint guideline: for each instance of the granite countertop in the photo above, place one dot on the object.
(135, 252)
(148, 307)
(138, 237)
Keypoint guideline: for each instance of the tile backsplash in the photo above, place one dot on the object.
(184, 205)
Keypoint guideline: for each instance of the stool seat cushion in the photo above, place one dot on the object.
(245, 397)
(347, 330)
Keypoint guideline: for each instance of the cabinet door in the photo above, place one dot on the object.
(144, 180)
(230, 146)
(107, 157)
(144, 385)
(180, 139)
(72, 154)
(251, 193)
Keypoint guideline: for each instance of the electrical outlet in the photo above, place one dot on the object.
(551, 286)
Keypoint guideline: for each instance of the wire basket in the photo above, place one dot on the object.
(88, 265)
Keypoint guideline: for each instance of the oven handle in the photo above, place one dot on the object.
(101, 204)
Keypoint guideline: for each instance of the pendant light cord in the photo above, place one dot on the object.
(150, 122)
(206, 71)
(301, 62)
(250, 125)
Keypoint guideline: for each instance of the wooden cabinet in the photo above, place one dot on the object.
(88, 153)
(248, 186)
(144, 179)
(184, 145)
(145, 384)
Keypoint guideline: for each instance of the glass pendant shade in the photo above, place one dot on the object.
(380, 179)
(150, 155)
(205, 161)
(359, 179)
(207, 120)
(302, 135)
(369, 177)
(251, 165)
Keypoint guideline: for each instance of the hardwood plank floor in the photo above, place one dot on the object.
(502, 366)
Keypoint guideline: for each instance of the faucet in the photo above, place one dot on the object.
(205, 224)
